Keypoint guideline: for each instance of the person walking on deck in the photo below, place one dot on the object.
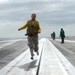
(33, 28)
(62, 35)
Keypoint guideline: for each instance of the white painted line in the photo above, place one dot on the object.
(50, 63)
(17, 66)
(9, 43)
(8, 67)
(65, 40)
(13, 68)
(64, 48)
(12, 40)
(69, 67)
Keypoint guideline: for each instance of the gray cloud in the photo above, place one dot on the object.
(56, 13)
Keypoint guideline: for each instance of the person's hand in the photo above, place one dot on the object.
(18, 29)
(39, 31)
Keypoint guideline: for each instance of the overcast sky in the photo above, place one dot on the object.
(51, 14)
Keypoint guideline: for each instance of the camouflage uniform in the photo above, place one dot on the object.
(33, 29)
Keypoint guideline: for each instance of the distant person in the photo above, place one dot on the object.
(62, 35)
(54, 35)
(33, 28)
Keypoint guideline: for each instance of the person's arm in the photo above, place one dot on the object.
(39, 31)
(23, 27)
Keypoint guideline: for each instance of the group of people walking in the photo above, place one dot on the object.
(62, 35)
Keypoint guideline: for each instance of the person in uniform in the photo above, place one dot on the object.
(62, 35)
(33, 28)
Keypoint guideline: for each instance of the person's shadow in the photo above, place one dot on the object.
(29, 65)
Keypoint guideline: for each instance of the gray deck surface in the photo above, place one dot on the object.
(67, 49)
(9, 50)
(15, 58)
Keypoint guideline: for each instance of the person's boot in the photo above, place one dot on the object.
(32, 57)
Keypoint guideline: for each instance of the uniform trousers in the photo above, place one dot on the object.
(33, 44)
